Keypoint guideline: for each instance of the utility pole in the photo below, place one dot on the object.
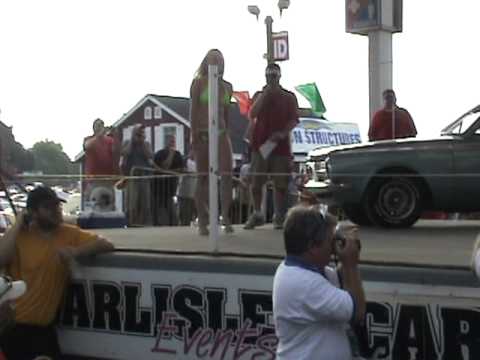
(269, 23)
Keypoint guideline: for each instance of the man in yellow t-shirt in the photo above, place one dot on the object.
(38, 249)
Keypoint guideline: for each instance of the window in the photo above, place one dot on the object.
(167, 131)
(147, 113)
(158, 112)
(162, 131)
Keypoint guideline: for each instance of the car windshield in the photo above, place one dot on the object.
(461, 125)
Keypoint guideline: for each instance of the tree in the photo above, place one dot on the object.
(50, 159)
(21, 159)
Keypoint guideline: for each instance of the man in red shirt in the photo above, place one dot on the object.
(99, 151)
(391, 122)
(99, 160)
(275, 114)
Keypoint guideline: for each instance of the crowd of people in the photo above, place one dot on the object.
(317, 308)
(163, 188)
(153, 181)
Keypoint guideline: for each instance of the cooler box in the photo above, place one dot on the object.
(94, 220)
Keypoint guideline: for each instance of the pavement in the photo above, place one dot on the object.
(443, 243)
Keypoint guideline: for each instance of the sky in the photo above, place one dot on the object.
(64, 63)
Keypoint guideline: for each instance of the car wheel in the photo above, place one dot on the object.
(394, 202)
(357, 215)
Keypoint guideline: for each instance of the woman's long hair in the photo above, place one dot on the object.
(202, 70)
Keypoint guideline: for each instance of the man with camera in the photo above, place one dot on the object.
(39, 249)
(312, 312)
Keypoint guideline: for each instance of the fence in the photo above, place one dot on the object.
(150, 198)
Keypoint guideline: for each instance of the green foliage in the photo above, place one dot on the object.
(21, 159)
(49, 158)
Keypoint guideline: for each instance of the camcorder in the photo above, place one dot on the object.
(340, 240)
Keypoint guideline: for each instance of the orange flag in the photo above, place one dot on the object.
(244, 101)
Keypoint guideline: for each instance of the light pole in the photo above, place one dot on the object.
(255, 10)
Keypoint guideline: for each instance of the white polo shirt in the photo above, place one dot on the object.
(311, 314)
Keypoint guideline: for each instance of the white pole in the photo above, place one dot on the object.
(380, 67)
(213, 154)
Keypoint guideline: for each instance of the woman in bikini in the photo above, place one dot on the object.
(199, 129)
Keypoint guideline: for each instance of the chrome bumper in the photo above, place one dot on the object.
(324, 189)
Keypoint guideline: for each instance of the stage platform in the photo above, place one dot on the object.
(441, 243)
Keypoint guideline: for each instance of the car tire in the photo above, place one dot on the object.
(357, 215)
(394, 202)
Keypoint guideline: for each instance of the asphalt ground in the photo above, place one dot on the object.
(439, 243)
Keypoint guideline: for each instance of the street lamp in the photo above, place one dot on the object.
(283, 5)
(255, 10)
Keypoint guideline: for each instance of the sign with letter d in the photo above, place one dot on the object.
(280, 46)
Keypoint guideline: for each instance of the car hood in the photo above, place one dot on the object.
(378, 145)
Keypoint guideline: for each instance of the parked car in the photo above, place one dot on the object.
(390, 183)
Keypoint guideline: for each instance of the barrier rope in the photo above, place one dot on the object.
(198, 174)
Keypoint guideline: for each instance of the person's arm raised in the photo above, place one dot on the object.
(89, 142)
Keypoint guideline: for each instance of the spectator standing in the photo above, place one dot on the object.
(137, 160)
(311, 313)
(100, 153)
(391, 122)
(39, 249)
(165, 188)
(199, 121)
(275, 114)
(186, 192)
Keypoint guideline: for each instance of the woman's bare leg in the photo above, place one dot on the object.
(201, 192)
(226, 180)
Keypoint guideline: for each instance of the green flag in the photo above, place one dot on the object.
(311, 93)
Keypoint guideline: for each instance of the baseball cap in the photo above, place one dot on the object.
(41, 195)
(11, 290)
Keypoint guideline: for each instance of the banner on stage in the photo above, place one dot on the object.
(115, 313)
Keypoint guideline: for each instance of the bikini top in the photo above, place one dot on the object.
(204, 97)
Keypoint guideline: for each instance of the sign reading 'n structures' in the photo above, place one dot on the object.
(313, 133)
